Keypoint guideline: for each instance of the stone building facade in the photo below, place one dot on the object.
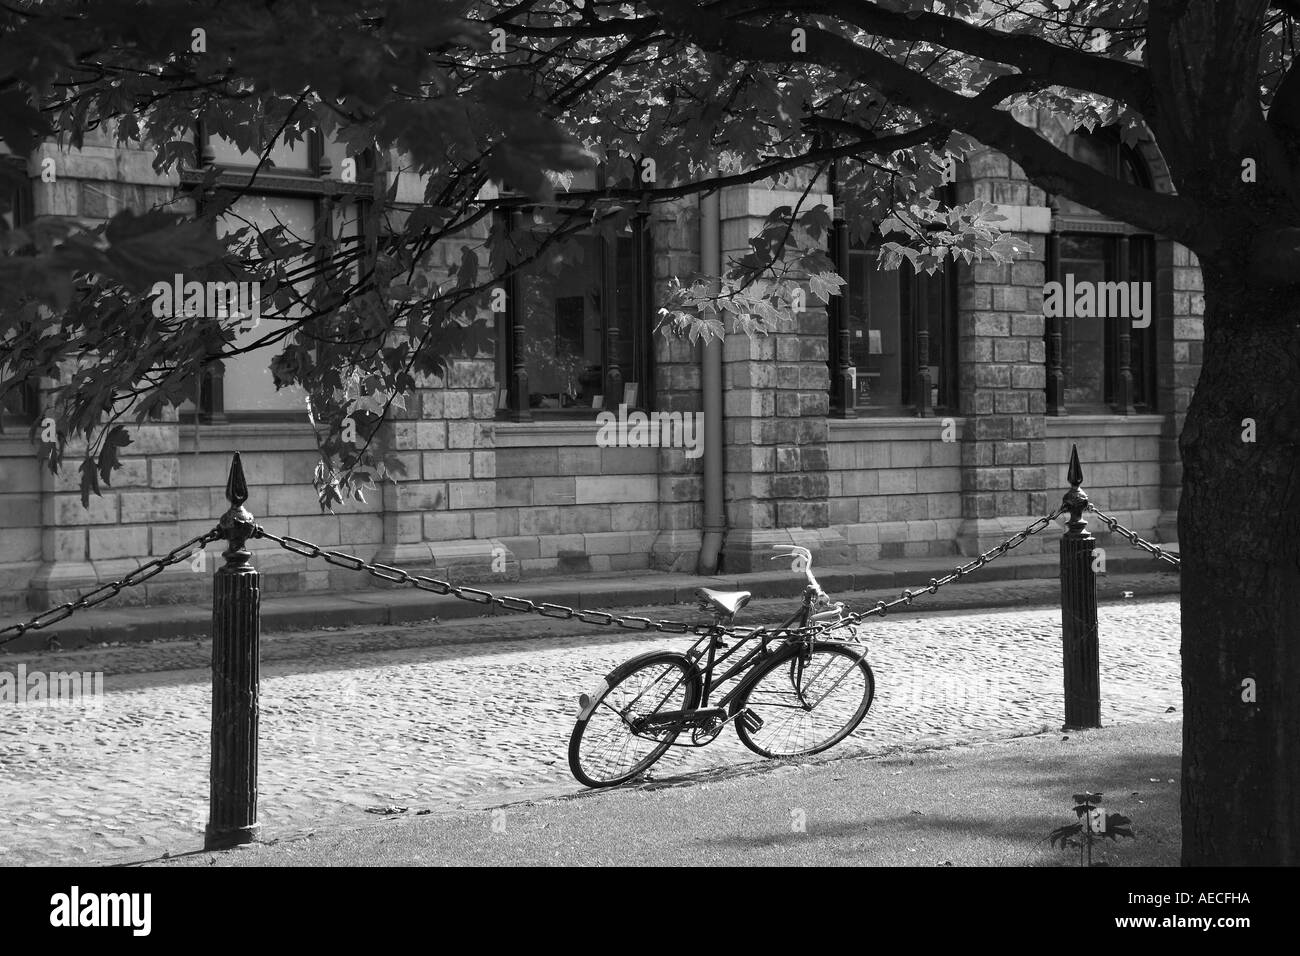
(504, 485)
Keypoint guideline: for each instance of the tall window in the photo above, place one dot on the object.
(893, 333)
(303, 194)
(1101, 363)
(20, 404)
(895, 316)
(576, 339)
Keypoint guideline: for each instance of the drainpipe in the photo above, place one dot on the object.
(715, 516)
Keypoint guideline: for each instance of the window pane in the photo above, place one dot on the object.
(290, 158)
(875, 336)
(1098, 152)
(928, 312)
(1083, 339)
(248, 382)
(562, 317)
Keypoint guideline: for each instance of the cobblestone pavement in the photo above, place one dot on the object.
(361, 718)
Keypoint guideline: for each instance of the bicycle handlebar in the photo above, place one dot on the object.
(794, 550)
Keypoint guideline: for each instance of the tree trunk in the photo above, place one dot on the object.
(1239, 532)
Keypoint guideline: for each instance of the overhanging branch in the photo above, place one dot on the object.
(1046, 165)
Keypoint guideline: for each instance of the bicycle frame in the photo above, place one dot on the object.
(714, 638)
(710, 683)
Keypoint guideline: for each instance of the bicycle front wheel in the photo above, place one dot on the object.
(603, 749)
(806, 703)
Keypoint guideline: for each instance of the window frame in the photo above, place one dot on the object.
(23, 213)
(1124, 245)
(511, 330)
(912, 403)
(315, 184)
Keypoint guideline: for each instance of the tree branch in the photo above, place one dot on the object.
(1047, 61)
(1050, 168)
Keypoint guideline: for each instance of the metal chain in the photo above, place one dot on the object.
(111, 589)
(908, 595)
(562, 612)
(1155, 550)
(478, 596)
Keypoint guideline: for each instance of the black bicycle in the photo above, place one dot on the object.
(794, 695)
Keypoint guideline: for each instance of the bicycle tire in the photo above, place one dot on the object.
(776, 700)
(655, 667)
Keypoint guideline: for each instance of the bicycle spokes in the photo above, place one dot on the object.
(807, 706)
(612, 743)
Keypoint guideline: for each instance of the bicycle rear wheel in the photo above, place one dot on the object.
(806, 706)
(603, 750)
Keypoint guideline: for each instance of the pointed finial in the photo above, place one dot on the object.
(236, 486)
(1075, 475)
(1075, 500)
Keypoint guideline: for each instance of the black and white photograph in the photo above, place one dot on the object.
(497, 435)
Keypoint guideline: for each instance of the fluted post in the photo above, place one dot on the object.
(236, 632)
(1079, 609)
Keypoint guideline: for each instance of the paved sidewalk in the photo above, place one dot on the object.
(990, 804)
(1008, 581)
(378, 716)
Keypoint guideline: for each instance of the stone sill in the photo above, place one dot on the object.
(1105, 426)
(907, 428)
(546, 434)
(246, 436)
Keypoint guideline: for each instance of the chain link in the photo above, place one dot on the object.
(476, 595)
(110, 589)
(884, 607)
(1155, 550)
(508, 602)
(628, 622)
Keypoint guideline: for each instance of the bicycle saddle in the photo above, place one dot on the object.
(728, 602)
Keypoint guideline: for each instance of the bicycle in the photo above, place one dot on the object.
(642, 706)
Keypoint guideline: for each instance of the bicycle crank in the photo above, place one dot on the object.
(699, 717)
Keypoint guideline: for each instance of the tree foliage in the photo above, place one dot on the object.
(468, 95)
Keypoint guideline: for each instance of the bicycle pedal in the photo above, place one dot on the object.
(753, 723)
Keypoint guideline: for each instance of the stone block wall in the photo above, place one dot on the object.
(1122, 468)
(895, 486)
(570, 506)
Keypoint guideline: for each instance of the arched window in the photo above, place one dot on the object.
(1100, 298)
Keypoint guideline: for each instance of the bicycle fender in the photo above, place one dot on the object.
(587, 702)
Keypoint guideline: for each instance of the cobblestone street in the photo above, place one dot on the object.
(363, 720)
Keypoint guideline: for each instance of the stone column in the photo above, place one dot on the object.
(677, 375)
(775, 403)
(1002, 371)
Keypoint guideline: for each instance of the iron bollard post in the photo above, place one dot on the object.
(1079, 609)
(236, 633)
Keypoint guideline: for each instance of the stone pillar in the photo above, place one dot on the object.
(775, 406)
(136, 516)
(1002, 369)
(677, 376)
